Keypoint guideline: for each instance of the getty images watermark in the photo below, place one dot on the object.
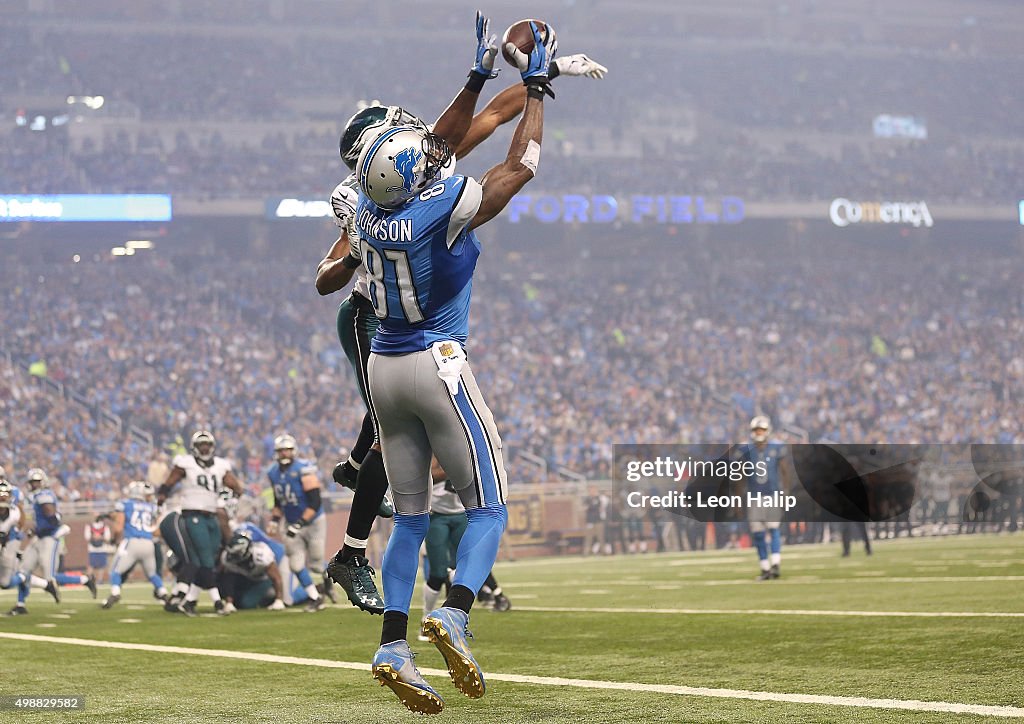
(825, 482)
(680, 471)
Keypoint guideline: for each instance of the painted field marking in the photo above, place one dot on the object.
(821, 700)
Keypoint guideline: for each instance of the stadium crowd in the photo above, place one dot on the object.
(188, 74)
(843, 343)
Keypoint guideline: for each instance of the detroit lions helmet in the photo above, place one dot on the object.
(368, 123)
(3, 474)
(203, 444)
(37, 479)
(6, 494)
(137, 489)
(399, 164)
(760, 428)
(284, 448)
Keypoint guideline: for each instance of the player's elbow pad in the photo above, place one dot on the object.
(313, 498)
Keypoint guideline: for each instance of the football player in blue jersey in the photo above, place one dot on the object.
(12, 520)
(420, 252)
(43, 551)
(134, 521)
(298, 504)
(769, 457)
(357, 323)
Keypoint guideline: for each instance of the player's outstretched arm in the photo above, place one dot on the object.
(335, 270)
(455, 121)
(505, 180)
(509, 103)
(332, 274)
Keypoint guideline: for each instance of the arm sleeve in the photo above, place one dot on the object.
(313, 498)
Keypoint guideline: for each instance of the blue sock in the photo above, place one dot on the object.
(776, 541)
(304, 578)
(157, 582)
(299, 595)
(23, 589)
(478, 548)
(115, 578)
(65, 578)
(762, 547)
(15, 581)
(401, 560)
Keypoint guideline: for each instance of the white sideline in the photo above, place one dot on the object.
(778, 612)
(847, 701)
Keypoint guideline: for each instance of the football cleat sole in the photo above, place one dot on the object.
(414, 699)
(465, 674)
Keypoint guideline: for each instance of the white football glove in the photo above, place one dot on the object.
(580, 64)
(344, 200)
(277, 605)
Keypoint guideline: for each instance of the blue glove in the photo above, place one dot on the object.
(535, 65)
(486, 48)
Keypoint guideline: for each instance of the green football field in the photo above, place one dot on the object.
(926, 630)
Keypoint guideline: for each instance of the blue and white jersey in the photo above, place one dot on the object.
(139, 518)
(766, 458)
(420, 261)
(287, 484)
(38, 499)
(259, 536)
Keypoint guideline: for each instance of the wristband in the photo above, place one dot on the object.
(350, 262)
(475, 84)
(553, 71)
(538, 88)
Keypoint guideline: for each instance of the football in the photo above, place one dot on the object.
(521, 35)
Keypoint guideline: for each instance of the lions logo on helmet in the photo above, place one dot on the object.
(239, 548)
(284, 448)
(399, 164)
(37, 479)
(760, 428)
(203, 444)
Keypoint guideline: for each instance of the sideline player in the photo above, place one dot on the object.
(202, 476)
(357, 323)
(765, 519)
(420, 252)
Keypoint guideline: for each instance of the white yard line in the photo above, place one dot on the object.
(775, 612)
(818, 699)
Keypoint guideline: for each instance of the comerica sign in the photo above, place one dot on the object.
(844, 212)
